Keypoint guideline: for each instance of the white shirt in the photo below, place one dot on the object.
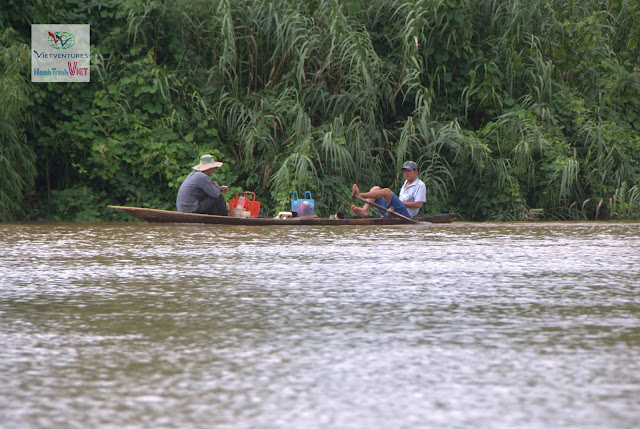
(416, 191)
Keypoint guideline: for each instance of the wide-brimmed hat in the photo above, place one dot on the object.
(409, 165)
(207, 162)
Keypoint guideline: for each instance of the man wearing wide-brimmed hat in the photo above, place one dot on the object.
(198, 194)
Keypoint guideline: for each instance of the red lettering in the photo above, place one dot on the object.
(75, 70)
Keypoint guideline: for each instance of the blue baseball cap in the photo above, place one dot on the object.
(409, 165)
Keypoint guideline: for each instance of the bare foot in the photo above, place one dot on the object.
(360, 211)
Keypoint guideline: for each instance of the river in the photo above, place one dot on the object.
(467, 325)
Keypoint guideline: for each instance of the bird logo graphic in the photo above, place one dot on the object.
(61, 40)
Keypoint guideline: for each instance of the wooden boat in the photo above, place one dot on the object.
(166, 216)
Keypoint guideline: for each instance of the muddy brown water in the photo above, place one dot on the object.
(487, 325)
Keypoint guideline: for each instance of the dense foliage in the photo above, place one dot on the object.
(511, 108)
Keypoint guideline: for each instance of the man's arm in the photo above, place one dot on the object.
(418, 196)
(207, 186)
(222, 188)
(413, 204)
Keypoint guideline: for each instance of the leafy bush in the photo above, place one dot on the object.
(506, 106)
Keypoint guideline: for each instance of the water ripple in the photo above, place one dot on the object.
(448, 326)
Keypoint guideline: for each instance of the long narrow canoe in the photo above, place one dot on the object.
(166, 216)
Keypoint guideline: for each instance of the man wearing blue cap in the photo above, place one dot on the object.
(412, 195)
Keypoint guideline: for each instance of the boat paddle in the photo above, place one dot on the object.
(388, 210)
(346, 201)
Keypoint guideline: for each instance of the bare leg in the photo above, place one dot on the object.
(373, 194)
(377, 192)
(362, 211)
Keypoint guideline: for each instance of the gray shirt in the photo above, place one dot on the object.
(196, 187)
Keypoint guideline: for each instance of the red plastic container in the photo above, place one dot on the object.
(252, 205)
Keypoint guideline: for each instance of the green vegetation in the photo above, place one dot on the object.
(509, 107)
